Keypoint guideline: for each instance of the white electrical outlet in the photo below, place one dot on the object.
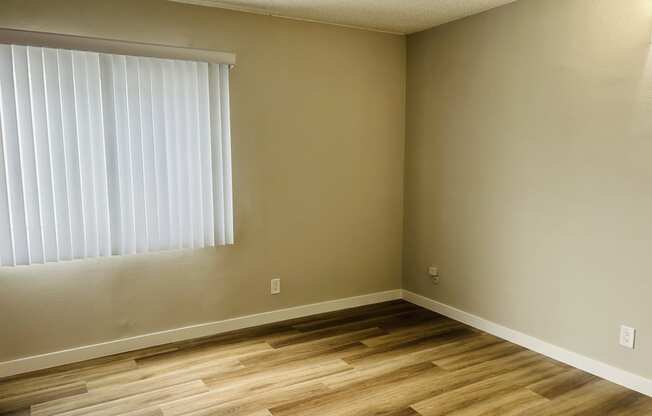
(433, 272)
(275, 286)
(627, 336)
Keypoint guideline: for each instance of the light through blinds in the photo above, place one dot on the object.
(105, 154)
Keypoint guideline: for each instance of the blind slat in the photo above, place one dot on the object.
(47, 209)
(159, 134)
(203, 104)
(136, 150)
(225, 162)
(111, 151)
(73, 171)
(123, 141)
(194, 156)
(218, 154)
(82, 119)
(149, 148)
(13, 160)
(28, 154)
(6, 244)
(170, 89)
(57, 153)
(183, 183)
(97, 145)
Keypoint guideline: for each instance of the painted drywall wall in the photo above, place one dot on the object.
(528, 171)
(318, 139)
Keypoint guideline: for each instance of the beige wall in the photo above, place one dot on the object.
(318, 139)
(529, 171)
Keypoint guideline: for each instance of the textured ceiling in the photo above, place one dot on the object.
(397, 16)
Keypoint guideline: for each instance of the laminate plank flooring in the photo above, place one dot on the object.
(390, 359)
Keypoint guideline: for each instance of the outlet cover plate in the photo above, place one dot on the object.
(627, 336)
(275, 287)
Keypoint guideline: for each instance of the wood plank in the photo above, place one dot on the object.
(25, 400)
(562, 383)
(386, 393)
(454, 348)
(633, 404)
(337, 345)
(194, 358)
(22, 412)
(410, 331)
(408, 411)
(417, 389)
(367, 374)
(508, 404)
(590, 399)
(359, 312)
(252, 404)
(229, 390)
(126, 356)
(477, 356)
(109, 393)
(481, 395)
(76, 375)
(372, 322)
(143, 402)
(156, 411)
(395, 349)
(209, 350)
(337, 319)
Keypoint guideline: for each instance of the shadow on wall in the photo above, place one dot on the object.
(642, 120)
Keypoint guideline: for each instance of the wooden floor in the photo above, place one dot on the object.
(391, 359)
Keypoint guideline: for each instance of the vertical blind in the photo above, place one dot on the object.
(105, 154)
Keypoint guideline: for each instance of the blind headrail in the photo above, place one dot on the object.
(119, 47)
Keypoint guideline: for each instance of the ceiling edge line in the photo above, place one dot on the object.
(263, 12)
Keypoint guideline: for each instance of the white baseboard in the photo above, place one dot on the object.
(598, 368)
(87, 352)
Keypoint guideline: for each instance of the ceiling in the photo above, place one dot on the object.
(395, 16)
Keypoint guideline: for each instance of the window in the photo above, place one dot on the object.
(105, 154)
